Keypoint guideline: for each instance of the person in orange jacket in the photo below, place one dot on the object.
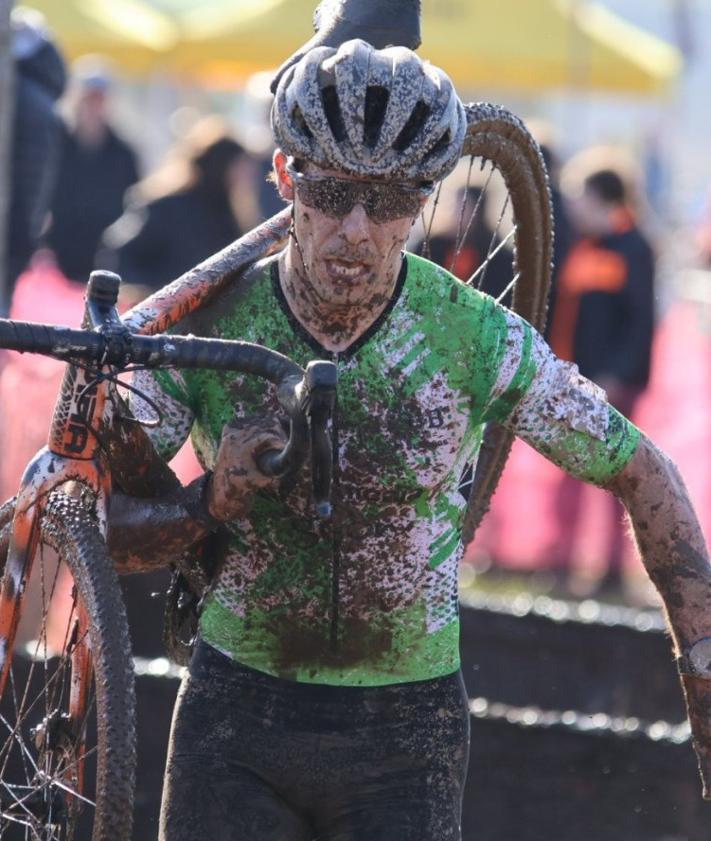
(603, 320)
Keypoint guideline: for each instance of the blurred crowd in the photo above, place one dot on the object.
(80, 201)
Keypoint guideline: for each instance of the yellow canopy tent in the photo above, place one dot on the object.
(130, 32)
(531, 45)
(522, 45)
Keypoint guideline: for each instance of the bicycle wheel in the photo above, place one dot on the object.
(67, 715)
(490, 223)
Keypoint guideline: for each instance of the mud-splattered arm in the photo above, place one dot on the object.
(675, 555)
(546, 402)
(167, 392)
(146, 534)
(567, 418)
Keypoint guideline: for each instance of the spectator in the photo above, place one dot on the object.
(184, 212)
(604, 317)
(96, 167)
(39, 82)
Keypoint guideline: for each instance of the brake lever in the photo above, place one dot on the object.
(309, 403)
(321, 380)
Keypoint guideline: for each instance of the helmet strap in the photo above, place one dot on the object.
(292, 235)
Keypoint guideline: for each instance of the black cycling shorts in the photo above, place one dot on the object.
(256, 758)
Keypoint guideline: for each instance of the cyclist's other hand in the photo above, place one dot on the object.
(236, 476)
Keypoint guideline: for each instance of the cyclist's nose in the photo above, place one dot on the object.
(355, 225)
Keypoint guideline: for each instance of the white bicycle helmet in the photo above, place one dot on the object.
(370, 112)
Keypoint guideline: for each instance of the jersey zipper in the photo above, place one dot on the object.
(335, 529)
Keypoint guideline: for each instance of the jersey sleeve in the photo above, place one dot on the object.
(550, 405)
(166, 392)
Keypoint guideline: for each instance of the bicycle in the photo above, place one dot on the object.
(121, 456)
(63, 502)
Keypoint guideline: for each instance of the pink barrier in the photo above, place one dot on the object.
(29, 383)
(675, 412)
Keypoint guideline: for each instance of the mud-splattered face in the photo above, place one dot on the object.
(346, 259)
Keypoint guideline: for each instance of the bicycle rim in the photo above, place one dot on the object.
(67, 716)
(498, 237)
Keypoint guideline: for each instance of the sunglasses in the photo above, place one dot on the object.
(336, 197)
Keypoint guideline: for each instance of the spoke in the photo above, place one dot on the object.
(46, 783)
(498, 248)
(508, 288)
(63, 665)
(491, 251)
(30, 825)
(17, 801)
(479, 202)
(459, 238)
(7, 747)
(14, 729)
(73, 793)
(427, 227)
(16, 738)
(73, 764)
(20, 711)
(500, 220)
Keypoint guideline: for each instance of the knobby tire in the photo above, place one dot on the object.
(72, 532)
(496, 135)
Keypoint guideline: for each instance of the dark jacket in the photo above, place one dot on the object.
(604, 315)
(160, 241)
(40, 78)
(88, 197)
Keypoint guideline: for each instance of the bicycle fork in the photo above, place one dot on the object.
(71, 455)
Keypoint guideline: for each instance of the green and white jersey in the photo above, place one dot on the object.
(370, 596)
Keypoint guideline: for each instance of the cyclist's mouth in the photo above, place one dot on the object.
(348, 270)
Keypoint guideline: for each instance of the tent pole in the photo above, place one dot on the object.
(7, 104)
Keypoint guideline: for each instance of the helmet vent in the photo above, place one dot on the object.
(332, 109)
(445, 140)
(376, 103)
(298, 120)
(412, 127)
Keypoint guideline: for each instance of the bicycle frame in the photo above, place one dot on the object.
(84, 420)
(73, 454)
(85, 415)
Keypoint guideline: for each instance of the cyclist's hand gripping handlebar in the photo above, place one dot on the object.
(307, 396)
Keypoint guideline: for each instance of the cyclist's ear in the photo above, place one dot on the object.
(284, 184)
